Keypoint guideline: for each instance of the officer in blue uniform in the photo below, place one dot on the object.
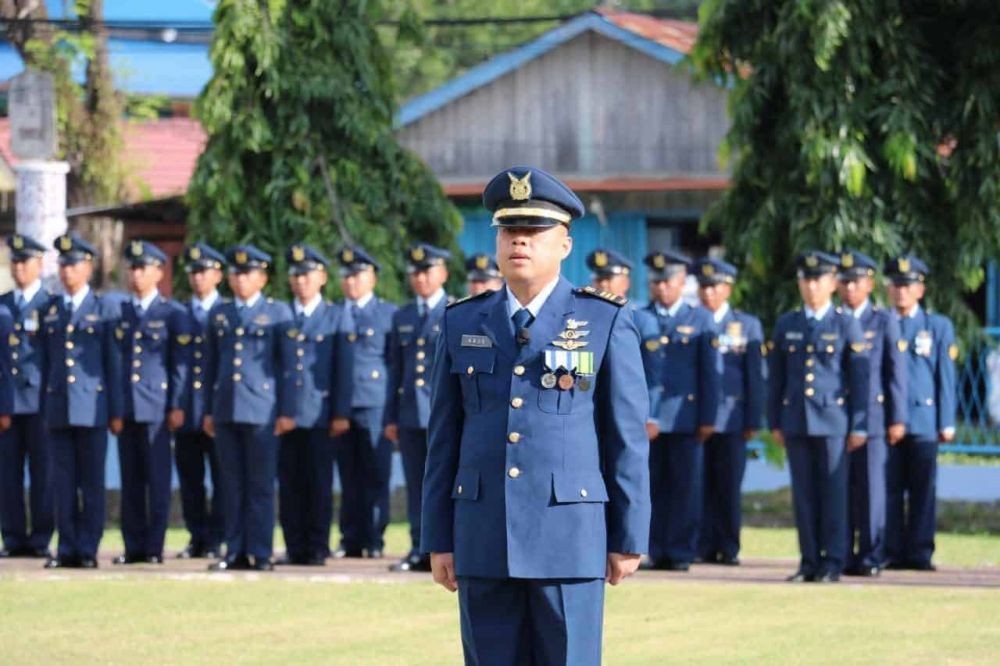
(305, 461)
(194, 450)
(155, 347)
(364, 456)
(928, 342)
(25, 440)
(886, 414)
(415, 329)
(81, 399)
(249, 403)
(482, 274)
(741, 344)
(683, 372)
(536, 490)
(818, 395)
(610, 271)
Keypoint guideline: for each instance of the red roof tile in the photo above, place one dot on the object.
(674, 34)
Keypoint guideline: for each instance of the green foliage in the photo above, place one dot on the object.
(838, 111)
(299, 116)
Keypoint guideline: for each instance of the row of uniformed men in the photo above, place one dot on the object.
(226, 380)
(858, 395)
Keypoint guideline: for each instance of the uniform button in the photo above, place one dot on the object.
(518, 370)
(163, 385)
(419, 383)
(13, 371)
(809, 349)
(810, 376)
(137, 349)
(238, 346)
(299, 367)
(514, 437)
(516, 403)
(237, 377)
(197, 369)
(135, 378)
(929, 401)
(421, 368)
(71, 379)
(197, 338)
(13, 355)
(421, 355)
(266, 386)
(459, 490)
(136, 363)
(791, 349)
(197, 354)
(375, 374)
(690, 397)
(840, 401)
(239, 331)
(810, 362)
(300, 352)
(138, 335)
(829, 349)
(880, 398)
(583, 492)
(470, 370)
(70, 328)
(513, 472)
(70, 363)
(810, 391)
(237, 362)
(69, 344)
(421, 342)
(197, 385)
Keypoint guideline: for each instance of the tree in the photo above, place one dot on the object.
(858, 123)
(299, 116)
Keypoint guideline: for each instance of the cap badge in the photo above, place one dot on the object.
(707, 270)
(18, 243)
(347, 256)
(812, 261)
(904, 265)
(520, 188)
(136, 248)
(417, 254)
(194, 253)
(600, 259)
(847, 260)
(65, 243)
(659, 261)
(482, 262)
(298, 253)
(241, 257)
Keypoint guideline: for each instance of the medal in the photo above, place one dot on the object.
(548, 380)
(566, 382)
(583, 383)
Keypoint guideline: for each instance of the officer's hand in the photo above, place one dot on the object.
(779, 437)
(208, 425)
(339, 426)
(116, 426)
(946, 436)
(5, 423)
(175, 419)
(652, 430)
(897, 431)
(748, 435)
(284, 424)
(621, 566)
(855, 442)
(704, 432)
(392, 432)
(443, 570)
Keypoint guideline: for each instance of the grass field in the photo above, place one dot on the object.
(134, 619)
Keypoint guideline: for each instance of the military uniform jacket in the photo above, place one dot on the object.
(684, 388)
(6, 363)
(818, 379)
(244, 367)
(741, 344)
(365, 339)
(929, 341)
(411, 357)
(154, 349)
(886, 368)
(80, 363)
(191, 392)
(25, 372)
(312, 350)
(526, 481)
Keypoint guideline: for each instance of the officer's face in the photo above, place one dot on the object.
(358, 285)
(853, 292)
(532, 255)
(245, 284)
(476, 287)
(714, 295)
(616, 284)
(74, 276)
(817, 291)
(905, 296)
(26, 271)
(204, 282)
(425, 283)
(668, 291)
(143, 279)
(305, 286)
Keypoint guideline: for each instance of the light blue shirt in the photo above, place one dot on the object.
(535, 306)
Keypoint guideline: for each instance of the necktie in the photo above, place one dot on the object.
(522, 319)
(139, 310)
(20, 302)
(300, 317)
(200, 314)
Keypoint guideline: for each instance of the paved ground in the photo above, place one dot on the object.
(751, 571)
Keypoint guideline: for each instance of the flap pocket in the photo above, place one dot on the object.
(571, 487)
(466, 485)
(473, 361)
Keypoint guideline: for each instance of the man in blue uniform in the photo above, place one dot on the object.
(249, 403)
(25, 440)
(415, 329)
(741, 344)
(928, 341)
(305, 461)
(482, 274)
(536, 490)
(886, 414)
(364, 456)
(684, 389)
(818, 395)
(610, 272)
(155, 346)
(193, 448)
(81, 399)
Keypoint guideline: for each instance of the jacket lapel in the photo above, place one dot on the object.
(551, 319)
(496, 324)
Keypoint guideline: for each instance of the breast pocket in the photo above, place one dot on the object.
(554, 400)
(474, 367)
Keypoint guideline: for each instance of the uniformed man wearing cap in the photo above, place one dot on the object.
(482, 274)
(25, 441)
(194, 450)
(928, 342)
(415, 329)
(818, 397)
(886, 414)
(536, 490)
(683, 373)
(305, 461)
(249, 403)
(155, 347)
(82, 398)
(610, 271)
(741, 408)
(364, 456)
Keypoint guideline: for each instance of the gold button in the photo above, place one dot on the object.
(829, 349)
(664, 340)
(197, 338)
(419, 383)
(516, 403)
(791, 349)
(514, 437)
(239, 331)
(135, 378)
(880, 398)
(375, 374)
(513, 472)
(266, 386)
(69, 344)
(421, 342)
(163, 385)
(237, 362)
(840, 401)
(137, 349)
(237, 377)
(197, 385)
(583, 492)
(459, 489)
(421, 368)
(70, 328)
(13, 355)
(300, 352)
(138, 335)
(421, 355)
(71, 379)
(810, 362)
(810, 376)
(470, 370)
(810, 391)
(690, 397)
(70, 363)
(13, 371)
(929, 401)
(136, 363)
(238, 346)
(518, 370)
(197, 369)
(809, 348)
(351, 337)
(197, 354)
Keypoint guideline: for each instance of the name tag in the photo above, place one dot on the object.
(262, 320)
(158, 323)
(31, 324)
(481, 341)
(92, 317)
(685, 330)
(405, 328)
(793, 335)
(869, 334)
(829, 336)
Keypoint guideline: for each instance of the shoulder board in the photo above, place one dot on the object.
(604, 295)
(466, 299)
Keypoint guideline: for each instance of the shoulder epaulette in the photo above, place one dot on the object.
(605, 295)
(466, 299)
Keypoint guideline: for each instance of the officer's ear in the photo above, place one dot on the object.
(566, 241)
